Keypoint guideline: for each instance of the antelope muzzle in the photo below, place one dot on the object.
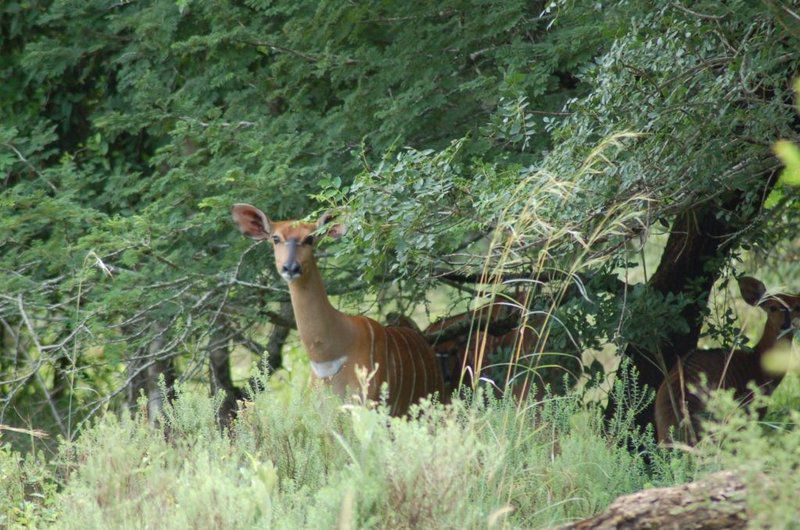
(291, 269)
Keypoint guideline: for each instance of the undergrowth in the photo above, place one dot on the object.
(305, 460)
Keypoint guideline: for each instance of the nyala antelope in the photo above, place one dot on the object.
(338, 345)
(680, 401)
(468, 351)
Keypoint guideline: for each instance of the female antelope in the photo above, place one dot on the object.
(680, 400)
(338, 344)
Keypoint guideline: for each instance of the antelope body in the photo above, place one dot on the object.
(338, 344)
(464, 353)
(680, 400)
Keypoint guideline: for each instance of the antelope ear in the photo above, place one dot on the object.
(252, 221)
(752, 290)
(326, 225)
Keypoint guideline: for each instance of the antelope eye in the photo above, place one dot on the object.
(276, 239)
(309, 240)
(774, 308)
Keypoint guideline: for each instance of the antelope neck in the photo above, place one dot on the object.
(769, 339)
(323, 330)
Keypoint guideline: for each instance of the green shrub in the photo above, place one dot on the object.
(26, 489)
(304, 459)
(765, 452)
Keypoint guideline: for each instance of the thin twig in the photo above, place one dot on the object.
(38, 375)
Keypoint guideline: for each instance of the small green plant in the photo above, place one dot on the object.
(765, 452)
(27, 489)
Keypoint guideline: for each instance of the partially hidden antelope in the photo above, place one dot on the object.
(680, 400)
(467, 352)
(339, 345)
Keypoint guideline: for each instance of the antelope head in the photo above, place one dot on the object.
(783, 310)
(293, 241)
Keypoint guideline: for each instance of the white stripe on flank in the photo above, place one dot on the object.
(398, 377)
(371, 347)
(424, 355)
(390, 372)
(410, 351)
(378, 382)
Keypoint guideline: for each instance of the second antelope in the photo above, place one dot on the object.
(471, 351)
(680, 402)
(338, 344)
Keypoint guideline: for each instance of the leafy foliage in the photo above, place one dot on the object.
(766, 453)
(129, 129)
(502, 138)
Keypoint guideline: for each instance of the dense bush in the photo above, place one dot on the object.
(302, 459)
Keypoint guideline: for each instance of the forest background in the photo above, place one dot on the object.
(614, 160)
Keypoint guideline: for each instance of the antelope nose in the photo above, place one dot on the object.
(292, 268)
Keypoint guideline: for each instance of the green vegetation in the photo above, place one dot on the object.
(302, 459)
(617, 162)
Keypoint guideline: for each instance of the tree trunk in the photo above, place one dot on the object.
(219, 360)
(157, 367)
(716, 502)
(690, 265)
(61, 383)
(275, 343)
(155, 396)
(144, 374)
(277, 338)
(137, 383)
(698, 246)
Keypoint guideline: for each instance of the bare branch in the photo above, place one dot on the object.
(39, 380)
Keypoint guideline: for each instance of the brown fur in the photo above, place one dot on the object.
(680, 401)
(399, 356)
(463, 354)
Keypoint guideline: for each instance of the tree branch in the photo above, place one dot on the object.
(717, 501)
(479, 322)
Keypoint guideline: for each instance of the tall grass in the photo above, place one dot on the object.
(304, 459)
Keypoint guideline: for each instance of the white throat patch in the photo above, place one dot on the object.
(327, 369)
